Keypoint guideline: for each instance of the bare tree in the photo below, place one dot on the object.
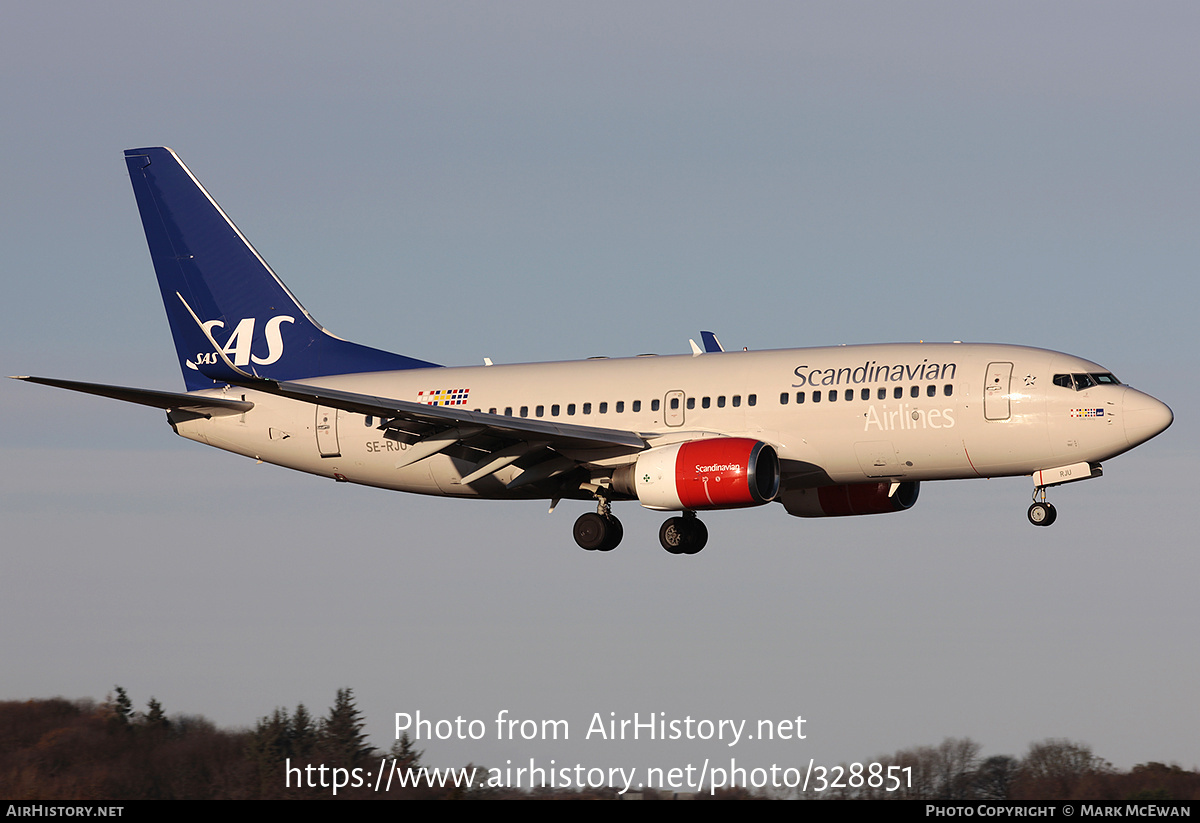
(1060, 769)
(956, 760)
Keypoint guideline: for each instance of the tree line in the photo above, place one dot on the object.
(59, 749)
(1053, 769)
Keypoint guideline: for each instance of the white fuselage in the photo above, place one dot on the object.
(848, 414)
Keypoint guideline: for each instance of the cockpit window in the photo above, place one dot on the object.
(1080, 382)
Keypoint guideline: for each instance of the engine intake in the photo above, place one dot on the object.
(717, 473)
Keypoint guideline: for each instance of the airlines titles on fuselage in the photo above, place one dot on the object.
(905, 417)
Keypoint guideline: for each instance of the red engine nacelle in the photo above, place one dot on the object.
(856, 498)
(720, 473)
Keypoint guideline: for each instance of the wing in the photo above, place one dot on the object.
(542, 449)
(419, 414)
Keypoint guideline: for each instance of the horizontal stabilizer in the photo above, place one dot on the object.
(198, 403)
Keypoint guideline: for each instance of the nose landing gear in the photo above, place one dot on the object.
(1041, 513)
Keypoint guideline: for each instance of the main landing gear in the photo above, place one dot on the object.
(599, 531)
(1041, 513)
(683, 535)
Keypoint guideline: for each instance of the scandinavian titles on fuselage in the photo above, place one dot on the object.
(873, 372)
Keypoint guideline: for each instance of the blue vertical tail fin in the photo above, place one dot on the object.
(203, 262)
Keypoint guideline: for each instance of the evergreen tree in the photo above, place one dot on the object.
(342, 736)
(156, 718)
(995, 777)
(304, 732)
(405, 754)
(272, 740)
(122, 707)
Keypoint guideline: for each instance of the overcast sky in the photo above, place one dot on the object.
(546, 181)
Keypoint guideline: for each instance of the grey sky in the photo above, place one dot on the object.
(536, 181)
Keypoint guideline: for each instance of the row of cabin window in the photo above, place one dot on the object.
(635, 406)
(865, 394)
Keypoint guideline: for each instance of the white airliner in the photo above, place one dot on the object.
(823, 431)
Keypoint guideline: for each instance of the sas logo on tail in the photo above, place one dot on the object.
(238, 348)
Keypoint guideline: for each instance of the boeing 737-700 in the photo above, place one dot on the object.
(823, 431)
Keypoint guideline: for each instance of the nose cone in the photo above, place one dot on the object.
(1144, 416)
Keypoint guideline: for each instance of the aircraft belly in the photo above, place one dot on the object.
(933, 455)
(371, 459)
(878, 458)
(1018, 445)
(415, 478)
(446, 474)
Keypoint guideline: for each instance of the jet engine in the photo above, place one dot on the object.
(717, 473)
(855, 498)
